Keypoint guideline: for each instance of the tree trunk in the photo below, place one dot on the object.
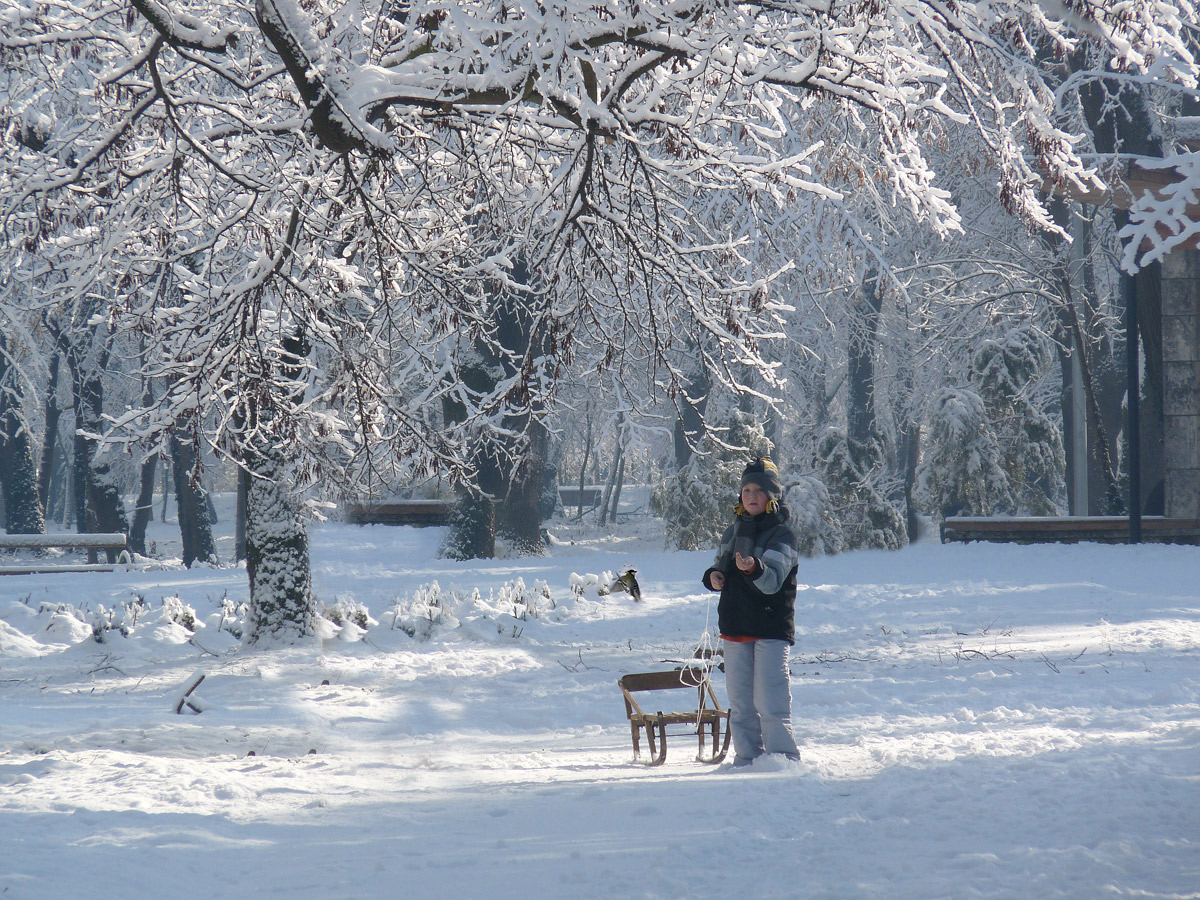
(144, 510)
(1121, 118)
(587, 450)
(22, 508)
(520, 518)
(282, 606)
(106, 512)
(611, 481)
(18, 475)
(97, 496)
(690, 407)
(191, 501)
(510, 464)
(861, 429)
(910, 441)
(277, 560)
(472, 528)
(1104, 497)
(616, 497)
(50, 436)
(239, 537)
(58, 506)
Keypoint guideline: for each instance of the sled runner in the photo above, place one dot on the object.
(707, 720)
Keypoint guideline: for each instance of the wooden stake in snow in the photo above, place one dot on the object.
(194, 705)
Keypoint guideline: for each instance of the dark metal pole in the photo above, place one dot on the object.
(1132, 425)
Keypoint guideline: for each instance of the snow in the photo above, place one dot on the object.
(989, 721)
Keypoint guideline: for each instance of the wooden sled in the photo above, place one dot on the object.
(707, 720)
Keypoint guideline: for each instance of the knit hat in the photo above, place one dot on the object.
(765, 474)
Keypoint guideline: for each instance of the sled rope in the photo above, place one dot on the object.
(705, 651)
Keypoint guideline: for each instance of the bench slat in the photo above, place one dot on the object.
(101, 541)
(53, 570)
(1068, 529)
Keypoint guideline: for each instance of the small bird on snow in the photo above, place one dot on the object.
(627, 582)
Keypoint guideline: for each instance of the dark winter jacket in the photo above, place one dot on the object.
(762, 604)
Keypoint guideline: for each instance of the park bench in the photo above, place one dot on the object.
(400, 512)
(707, 719)
(1067, 529)
(112, 543)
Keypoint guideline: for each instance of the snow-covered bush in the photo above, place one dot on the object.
(431, 609)
(232, 617)
(817, 531)
(524, 602)
(346, 619)
(175, 610)
(120, 618)
(345, 609)
(867, 518)
(1030, 444)
(696, 502)
(419, 614)
(960, 471)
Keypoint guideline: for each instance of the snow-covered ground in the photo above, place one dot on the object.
(975, 721)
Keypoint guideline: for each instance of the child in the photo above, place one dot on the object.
(755, 571)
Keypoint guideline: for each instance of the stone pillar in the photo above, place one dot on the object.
(1181, 382)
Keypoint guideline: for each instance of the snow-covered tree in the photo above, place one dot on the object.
(696, 501)
(961, 472)
(316, 175)
(868, 518)
(1030, 445)
(818, 531)
(23, 513)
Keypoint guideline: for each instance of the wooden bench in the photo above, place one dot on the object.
(112, 543)
(572, 496)
(400, 512)
(707, 719)
(1067, 529)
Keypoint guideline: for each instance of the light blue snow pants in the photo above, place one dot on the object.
(760, 697)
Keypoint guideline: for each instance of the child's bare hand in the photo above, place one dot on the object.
(717, 580)
(746, 563)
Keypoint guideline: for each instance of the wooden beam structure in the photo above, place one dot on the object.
(1126, 180)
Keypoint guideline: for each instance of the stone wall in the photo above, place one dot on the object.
(1181, 382)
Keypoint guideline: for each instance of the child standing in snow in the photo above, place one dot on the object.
(755, 571)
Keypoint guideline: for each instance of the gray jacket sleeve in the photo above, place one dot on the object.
(776, 561)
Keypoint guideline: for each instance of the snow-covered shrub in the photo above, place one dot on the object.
(175, 610)
(960, 471)
(1030, 445)
(525, 602)
(591, 583)
(426, 610)
(696, 502)
(232, 618)
(817, 531)
(868, 520)
(66, 621)
(120, 618)
(431, 609)
(345, 609)
(346, 619)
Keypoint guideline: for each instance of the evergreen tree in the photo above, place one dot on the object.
(960, 472)
(1030, 445)
(868, 519)
(817, 530)
(696, 502)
